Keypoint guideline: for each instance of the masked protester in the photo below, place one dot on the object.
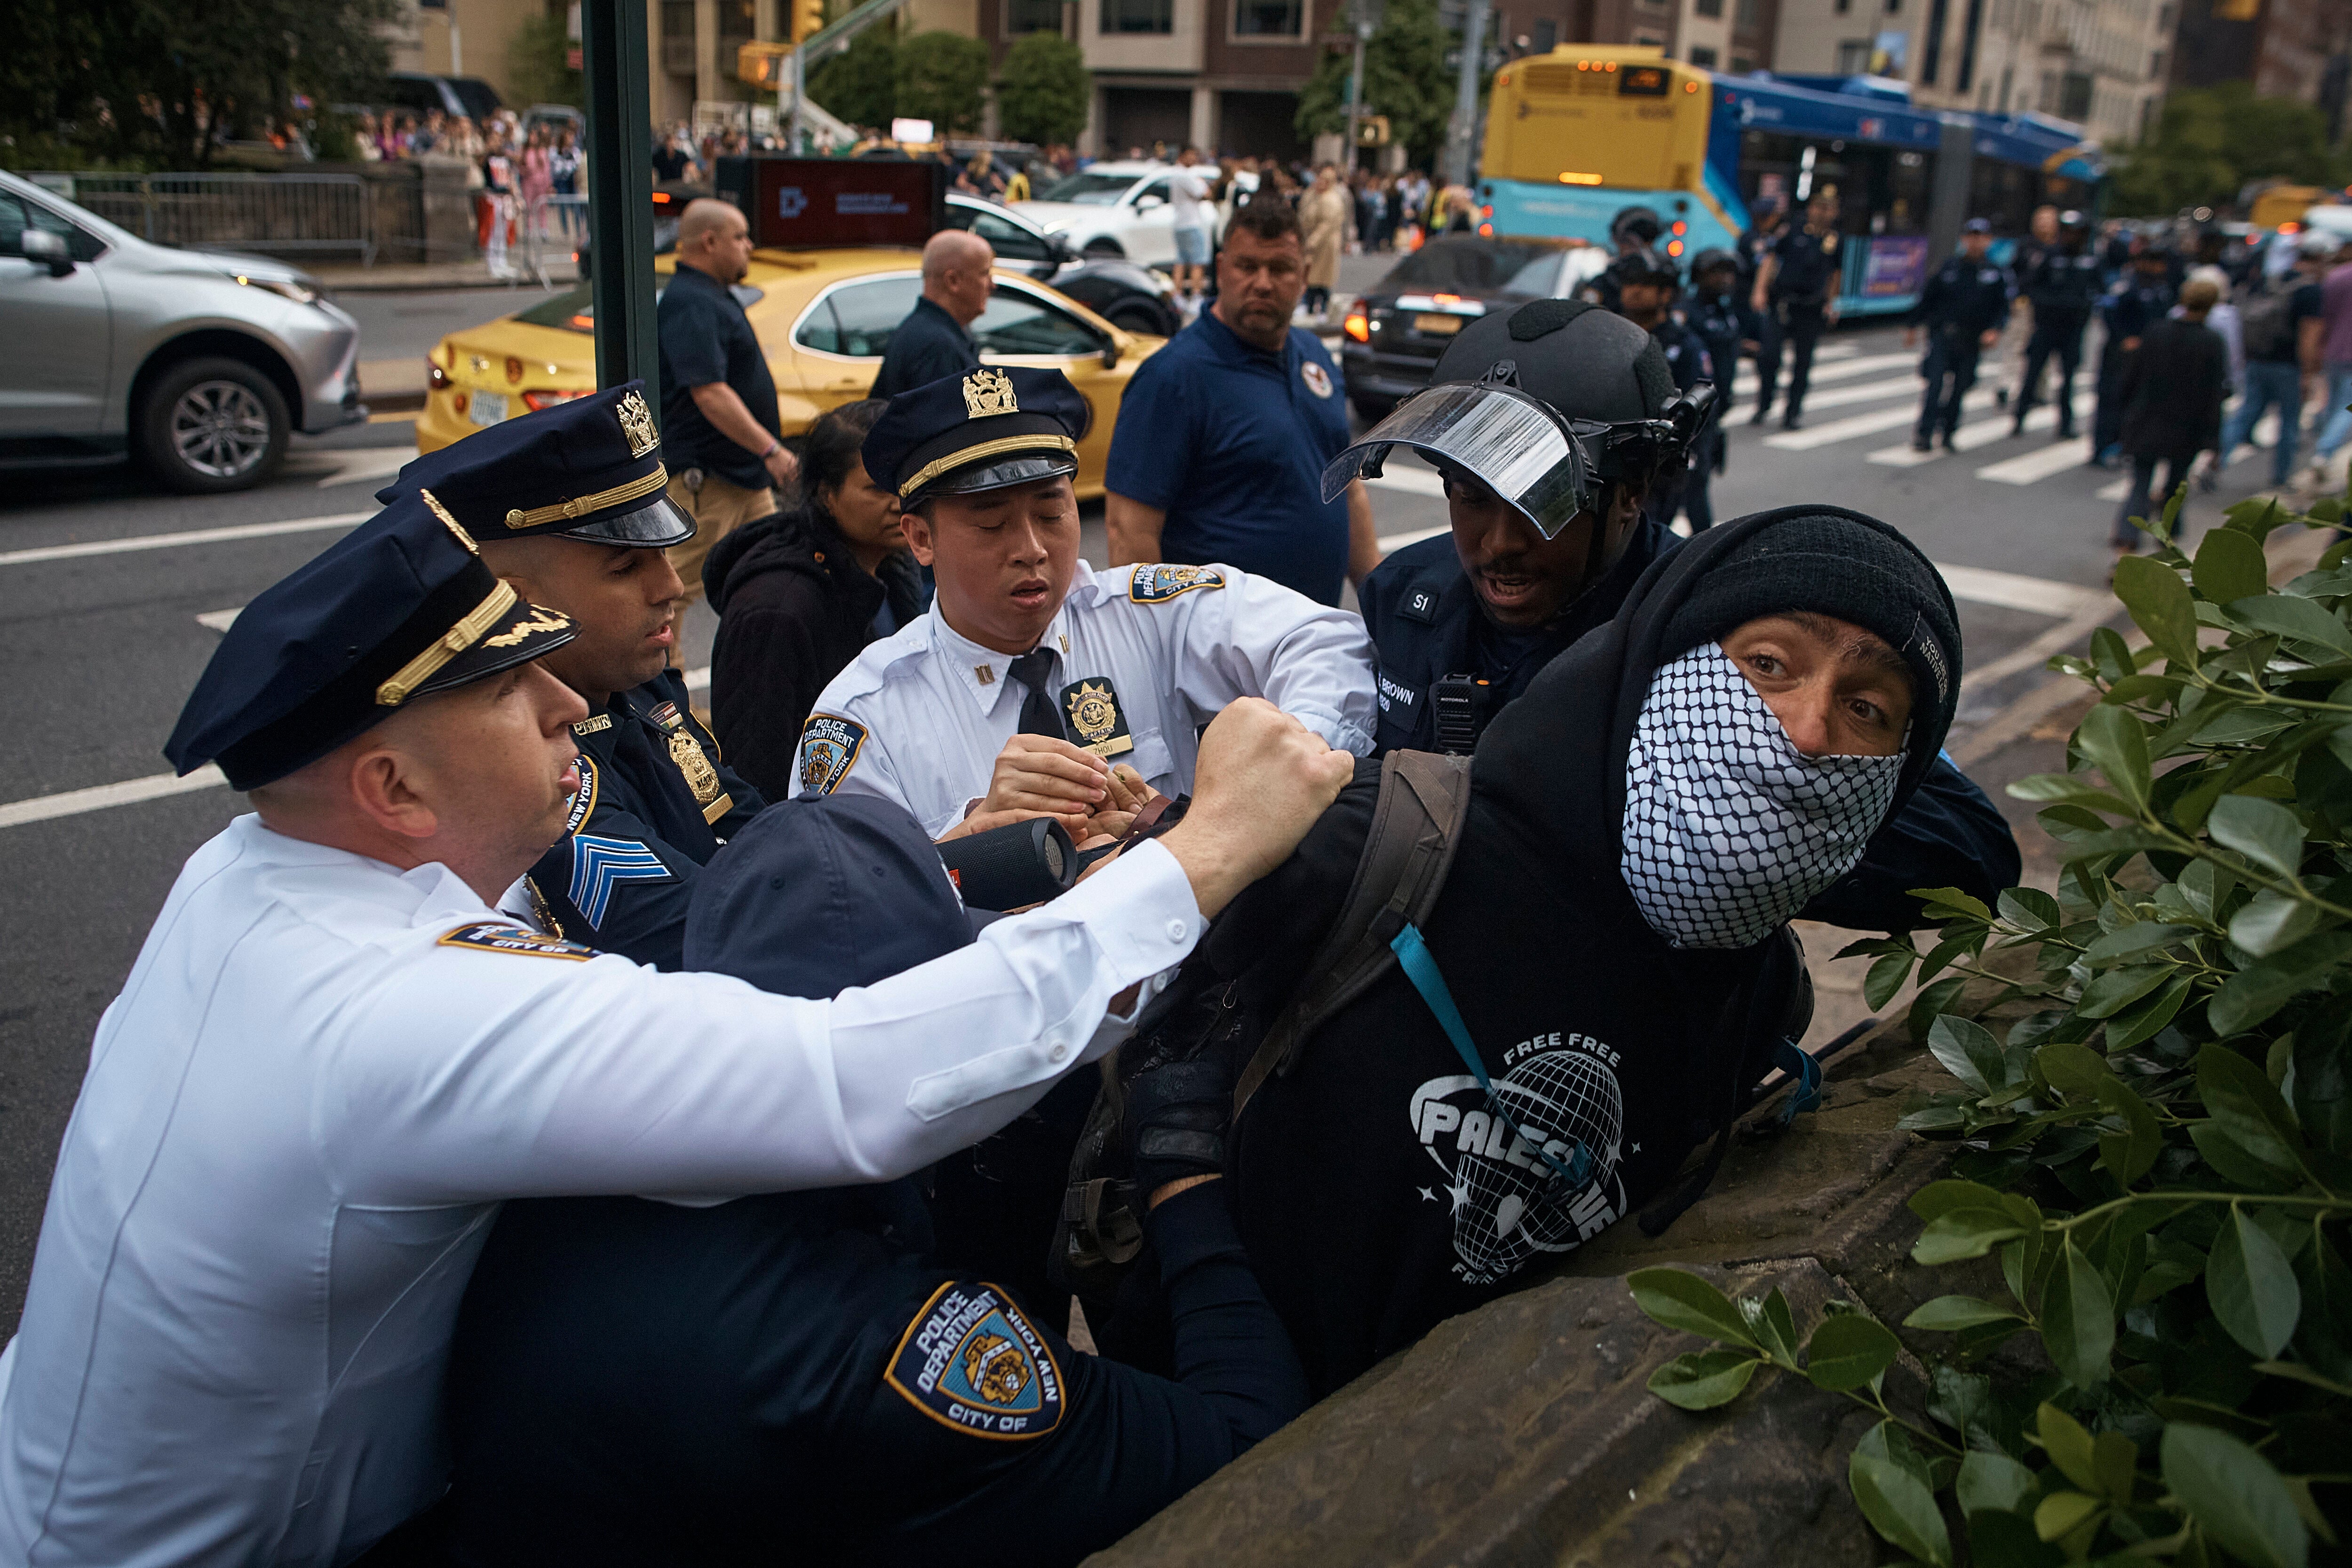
(1609, 940)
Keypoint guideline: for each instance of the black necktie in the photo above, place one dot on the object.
(1034, 670)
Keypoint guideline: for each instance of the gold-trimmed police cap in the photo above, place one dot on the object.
(588, 468)
(986, 429)
(398, 608)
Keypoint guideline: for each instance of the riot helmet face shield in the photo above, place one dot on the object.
(1512, 444)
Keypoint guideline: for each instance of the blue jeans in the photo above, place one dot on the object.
(2339, 418)
(2267, 383)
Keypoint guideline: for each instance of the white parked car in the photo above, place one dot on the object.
(1113, 209)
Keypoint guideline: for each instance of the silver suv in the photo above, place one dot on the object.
(198, 364)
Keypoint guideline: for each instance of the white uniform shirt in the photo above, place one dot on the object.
(919, 717)
(320, 1075)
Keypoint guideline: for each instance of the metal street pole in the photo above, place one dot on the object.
(1356, 92)
(1463, 126)
(793, 146)
(616, 62)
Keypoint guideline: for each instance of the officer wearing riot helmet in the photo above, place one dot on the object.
(2062, 281)
(1647, 286)
(1632, 231)
(1549, 425)
(1716, 308)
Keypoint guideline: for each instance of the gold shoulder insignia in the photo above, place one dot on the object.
(542, 620)
(987, 393)
(433, 504)
(637, 424)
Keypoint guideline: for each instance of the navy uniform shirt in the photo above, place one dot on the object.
(2139, 305)
(705, 338)
(1687, 360)
(1230, 441)
(1723, 322)
(1423, 615)
(656, 801)
(2063, 285)
(928, 345)
(1805, 269)
(1964, 296)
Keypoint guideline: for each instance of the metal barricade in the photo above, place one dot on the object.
(292, 213)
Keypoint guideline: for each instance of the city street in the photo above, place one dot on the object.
(113, 597)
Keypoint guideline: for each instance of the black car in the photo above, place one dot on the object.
(1395, 332)
(1132, 298)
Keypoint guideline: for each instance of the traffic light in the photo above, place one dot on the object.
(808, 17)
(1372, 130)
(761, 63)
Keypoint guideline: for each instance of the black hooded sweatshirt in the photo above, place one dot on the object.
(1377, 1193)
(794, 608)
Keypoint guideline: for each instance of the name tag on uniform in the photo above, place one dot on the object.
(1390, 691)
(1091, 707)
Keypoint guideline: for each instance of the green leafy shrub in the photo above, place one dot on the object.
(2154, 1109)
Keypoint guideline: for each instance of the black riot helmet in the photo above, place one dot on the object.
(1635, 226)
(1713, 260)
(1549, 406)
(1645, 266)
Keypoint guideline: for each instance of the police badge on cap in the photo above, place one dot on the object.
(993, 428)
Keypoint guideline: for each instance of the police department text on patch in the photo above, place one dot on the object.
(971, 1361)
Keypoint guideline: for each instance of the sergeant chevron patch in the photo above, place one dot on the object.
(599, 864)
(971, 1361)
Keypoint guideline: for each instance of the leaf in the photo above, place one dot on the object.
(2061, 1513)
(2303, 1375)
(1931, 1004)
(2031, 907)
(1969, 1052)
(2068, 1444)
(2253, 994)
(2147, 1017)
(1885, 978)
(2126, 941)
(1682, 1300)
(2118, 988)
(2273, 920)
(1992, 1481)
(1704, 1378)
(2117, 743)
(2115, 1457)
(1964, 1233)
(2251, 1286)
(2161, 605)
(1848, 1352)
(1770, 1321)
(1949, 1314)
(2263, 831)
(2230, 565)
(2128, 1155)
(2239, 1168)
(2078, 1320)
(2290, 616)
(2236, 1495)
(2072, 789)
(1900, 1506)
(2241, 1098)
(2075, 1071)
(1941, 1197)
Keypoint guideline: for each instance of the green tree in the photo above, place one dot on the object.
(2212, 140)
(1044, 93)
(539, 68)
(1405, 77)
(943, 78)
(860, 85)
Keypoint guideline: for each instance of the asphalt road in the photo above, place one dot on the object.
(106, 588)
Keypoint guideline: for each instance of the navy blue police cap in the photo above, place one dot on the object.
(999, 426)
(1977, 226)
(590, 468)
(822, 893)
(398, 608)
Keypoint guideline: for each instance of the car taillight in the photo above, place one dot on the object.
(459, 403)
(548, 399)
(436, 378)
(1358, 325)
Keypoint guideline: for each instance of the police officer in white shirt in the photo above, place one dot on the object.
(1033, 675)
(345, 1039)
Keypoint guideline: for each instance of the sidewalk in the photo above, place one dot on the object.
(345, 277)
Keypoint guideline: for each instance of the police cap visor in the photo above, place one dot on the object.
(657, 523)
(1501, 437)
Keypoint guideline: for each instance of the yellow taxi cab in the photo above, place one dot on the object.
(823, 317)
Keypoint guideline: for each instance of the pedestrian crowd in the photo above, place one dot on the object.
(599, 1131)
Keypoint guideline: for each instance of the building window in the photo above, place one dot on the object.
(1708, 7)
(2004, 89)
(1032, 16)
(1648, 41)
(1844, 7)
(1742, 64)
(1547, 35)
(1138, 15)
(1703, 58)
(2074, 96)
(1975, 26)
(1747, 14)
(677, 36)
(1852, 56)
(1931, 59)
(1267, 18)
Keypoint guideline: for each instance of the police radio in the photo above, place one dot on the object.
(1460, 705)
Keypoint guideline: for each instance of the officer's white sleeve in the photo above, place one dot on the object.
(475, 1075)
(1253, 638)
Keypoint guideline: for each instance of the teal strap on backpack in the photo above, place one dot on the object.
(1420, 967)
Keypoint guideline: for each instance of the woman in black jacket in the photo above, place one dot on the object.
(799, 594)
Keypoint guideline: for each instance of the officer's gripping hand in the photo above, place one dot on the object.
(1041, 775)
(1262, 780)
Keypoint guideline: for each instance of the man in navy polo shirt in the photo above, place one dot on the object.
(1222, 439)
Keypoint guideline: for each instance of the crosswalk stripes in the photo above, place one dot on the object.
(1967, 438)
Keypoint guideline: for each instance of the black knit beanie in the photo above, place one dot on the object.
(1841, 564)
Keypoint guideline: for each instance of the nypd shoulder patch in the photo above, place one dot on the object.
(829, 748)
(496, 936)
(971, 1361)
(584, 805)
(1156, 584)
(599, 864)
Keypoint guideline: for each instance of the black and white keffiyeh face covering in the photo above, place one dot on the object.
(1729, 830)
